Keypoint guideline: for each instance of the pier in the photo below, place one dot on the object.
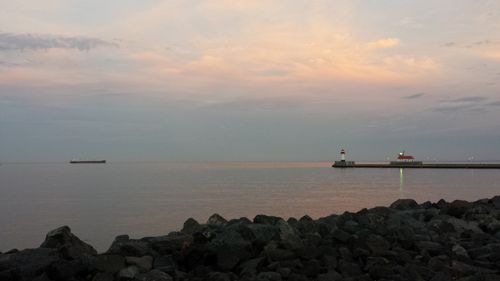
(408, 161)
(419, 166)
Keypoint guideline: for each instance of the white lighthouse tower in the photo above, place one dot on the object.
(343, 163)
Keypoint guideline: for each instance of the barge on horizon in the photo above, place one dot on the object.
(75, 161)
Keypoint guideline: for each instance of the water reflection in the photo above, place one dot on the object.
(401, 181)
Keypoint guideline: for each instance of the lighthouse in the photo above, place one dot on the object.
(343, 163)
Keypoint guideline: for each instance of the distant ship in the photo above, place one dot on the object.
(76, 161)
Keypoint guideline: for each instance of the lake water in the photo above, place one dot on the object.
(101, 201)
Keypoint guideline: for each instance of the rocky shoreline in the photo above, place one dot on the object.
(440, 241)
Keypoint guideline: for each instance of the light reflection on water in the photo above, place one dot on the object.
(144, 199)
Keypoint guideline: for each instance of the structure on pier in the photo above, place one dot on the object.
(405, 160)
(343, 162)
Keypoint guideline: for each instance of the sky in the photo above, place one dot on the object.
(230, 80)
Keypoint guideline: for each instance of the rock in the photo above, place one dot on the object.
(144, 264)
(331, 275)
(124, 246)
(154, 275)
(250, 267)
(496, 201)
(219, 276)
(349, 269)
(432, 247)
(216, 220)
(28, 264)
(289, 235)
(109, 263)
(128, 273)
(264, 233)
(404, 204)
(460, 252)
(263, 219)
(442, 276)
(103, 276)
(67, 243)
(456, 208)
(68, 269)
(191, 226)
(171, 243)
(341, 235)
(311, 268)
(461, 225)
(377, 244)
(166, 264)
(284, 271)
(269, 276)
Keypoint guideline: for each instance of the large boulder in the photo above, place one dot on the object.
(67, 243)
(404, 204)
(124, 246)
(263, 219)
(28, 264)
(154, 275)
(216, 220)
(456, 208)
(109, 263)
(191, 226)
(144, 264)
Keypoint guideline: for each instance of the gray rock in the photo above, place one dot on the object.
(264, 233)
(191, 226)
(496, 201)
(263, 219)
(67, 243)
(456, 208)
(289, 235)
(442, 276)
(377, 244)
(144, 264)
(124, 246)
(269, 276)
(404, 204)
(284, 271)
(250, 267)
(128, 273)
(349, 269)
(460, 251)
(170, 243)
(166, 264)
(29, 263)
(219, 276)
(109, 263)
(216, 220)
(331, 275)
(154, 275)
(103, 276)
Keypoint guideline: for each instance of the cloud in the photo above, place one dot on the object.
(470, 99)
(495, 103)
(21, 42)
(415, 96)
(470, 103)
(384, 43)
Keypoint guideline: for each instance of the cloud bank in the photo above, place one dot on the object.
(21, 42)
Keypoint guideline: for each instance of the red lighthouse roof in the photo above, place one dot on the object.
(405, 157)
(402, 156)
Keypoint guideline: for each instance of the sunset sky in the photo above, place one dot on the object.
(249, 80)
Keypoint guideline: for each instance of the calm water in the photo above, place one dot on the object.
(142, 199)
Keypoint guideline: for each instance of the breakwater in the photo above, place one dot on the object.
(418, 165)
(456, 240)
